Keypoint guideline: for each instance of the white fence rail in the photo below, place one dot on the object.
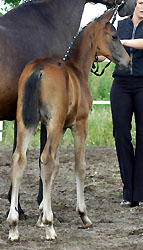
(94, 102)
(101, 102)
(1, 127)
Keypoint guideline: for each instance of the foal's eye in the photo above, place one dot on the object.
(115, 38)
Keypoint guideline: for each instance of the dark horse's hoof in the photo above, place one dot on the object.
(22, 216)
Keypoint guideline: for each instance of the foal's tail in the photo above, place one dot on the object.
(31, 100)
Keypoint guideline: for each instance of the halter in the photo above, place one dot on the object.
(95, 69)
(116, 4)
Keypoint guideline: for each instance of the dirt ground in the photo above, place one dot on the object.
(114, 227)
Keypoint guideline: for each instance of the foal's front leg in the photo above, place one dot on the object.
(79, 132)
(17, 168)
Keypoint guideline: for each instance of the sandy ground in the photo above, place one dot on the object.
(114, 227)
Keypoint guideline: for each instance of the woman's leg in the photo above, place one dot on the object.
(138, 168)
(122, 111)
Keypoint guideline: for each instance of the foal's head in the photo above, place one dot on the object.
(108, 42)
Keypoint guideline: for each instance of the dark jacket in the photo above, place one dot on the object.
(126, 30)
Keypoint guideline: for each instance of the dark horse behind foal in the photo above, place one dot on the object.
(33, 30)
(56, 93)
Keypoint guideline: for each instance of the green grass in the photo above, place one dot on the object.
(99, 133)
(100, 126)
(100, 86)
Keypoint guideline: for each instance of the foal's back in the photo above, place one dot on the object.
(62, 92)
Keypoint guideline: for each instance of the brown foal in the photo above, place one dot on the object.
(56, 92)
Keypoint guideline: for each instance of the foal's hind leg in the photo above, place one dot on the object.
(48, 172)
(43, 136)
(79, 132)
(17, 168)
(20, 210)
(55, 173)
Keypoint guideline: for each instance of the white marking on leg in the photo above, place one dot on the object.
(13, 234)
(50, 233)
(81, 207)
(39, 222)
(47, 172)
(17, 168)
(80, 132)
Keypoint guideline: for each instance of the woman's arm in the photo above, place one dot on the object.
(101, 58)
(133, 43)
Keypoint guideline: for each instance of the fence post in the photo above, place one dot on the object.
(1, 127)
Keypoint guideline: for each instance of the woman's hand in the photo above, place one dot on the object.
(101, 58)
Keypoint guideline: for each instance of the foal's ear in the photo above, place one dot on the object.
(106, 17)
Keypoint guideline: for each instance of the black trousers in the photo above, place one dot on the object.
(127, 98)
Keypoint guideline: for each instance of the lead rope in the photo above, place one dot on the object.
(94, 68)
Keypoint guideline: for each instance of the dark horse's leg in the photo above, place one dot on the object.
(43, 138)
(20, 210)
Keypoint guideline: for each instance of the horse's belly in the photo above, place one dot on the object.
(8, 112)
(8, 101)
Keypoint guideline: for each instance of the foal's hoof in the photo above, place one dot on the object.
(10, 239)
(87, 226)
(13, 234)
(40, 224)
(50, 233)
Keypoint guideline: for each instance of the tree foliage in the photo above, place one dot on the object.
(5, 5)
(12, 3)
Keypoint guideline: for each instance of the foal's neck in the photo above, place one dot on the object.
(84, 52)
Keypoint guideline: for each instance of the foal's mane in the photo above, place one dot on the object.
(73, 43)
(36, 1)
(76, 38)
(26, 1)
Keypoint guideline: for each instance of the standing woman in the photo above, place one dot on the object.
(127, 99)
